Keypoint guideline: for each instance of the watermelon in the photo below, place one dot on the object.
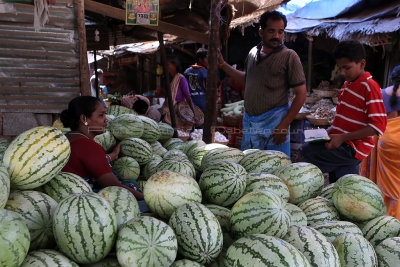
(196, 154)
(224, 183)
(269, 182)
(146, 241)
(251, 150)
(388, 252)
(358, 198)
(297, 215)
(223, 216)
(218, 155)
(106, 140)
(151, 131)
(381, 228)
(36, 209)
(127, 168)
(261, 250)
(137, 149)
(158, 149)
(186, 263)
(181, 166)
(106, 262)
(331, 230)
(85, 227)
(4, 143)
(167, 190)
(123, 202)
(188, 146)
(327, 191)
(166, 131)
(172, 142)
(117, 110)
(4, 186)
(47, 258)
(126, 126)
(65, 184)
(198, 232)
(264, 161)
(175, 154)
(304, 181)
(355, 250)
(318, 210)
(314, 245)
(14, 239)
(35, 156)
(151, 167)
(260, 212)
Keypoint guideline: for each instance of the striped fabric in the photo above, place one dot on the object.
(360, 104)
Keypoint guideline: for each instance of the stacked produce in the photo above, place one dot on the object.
(236, 108)
(211, 205)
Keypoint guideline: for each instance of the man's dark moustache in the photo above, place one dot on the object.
(271, 40)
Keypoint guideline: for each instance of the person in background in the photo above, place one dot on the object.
(86, 117)
(196, 76)
(382, 166)
(360, 114)
(271, 69)
(93, 81)
(232, 91)
(141, 105)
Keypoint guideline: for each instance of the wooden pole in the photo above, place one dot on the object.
(96, 75)
(168, 95)
(212, 74)
(83, 60)
(309, 69)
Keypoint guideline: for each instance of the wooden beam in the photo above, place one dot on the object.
(83, 60)
(164, 27)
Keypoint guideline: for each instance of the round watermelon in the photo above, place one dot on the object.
(151, 131)
(127, 168)
(126, 126)
(381, 228)
(388, 252)
(137, 149)
(47, 257)
(264, 161)
(4, 186)
(265, 181)
(166, 131)
(106, 140)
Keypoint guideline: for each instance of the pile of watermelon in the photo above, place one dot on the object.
(211, 205)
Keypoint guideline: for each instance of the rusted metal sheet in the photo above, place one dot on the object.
(39, 70)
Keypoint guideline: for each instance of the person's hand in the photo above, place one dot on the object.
(336, 141)
(114, 154)
(279, 134)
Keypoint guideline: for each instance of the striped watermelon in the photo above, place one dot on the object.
(304, 181)
(223, 216)
(167, 190)
(175, 154)
(36, 209)
(106, 262)
(381, 228)
(127, 168)
(331, 230)
(224, 183)
(196, 154)
(188, 146)
(85, 227)
(151, 131)
(297, 215)
(172, 142)
(318, 210)
(265, 161)
(106, 140)
(388, 252)
(35, 156)
(327, 191)
(14, 239)
(65, 184)
(126, 126)
(355, 250)
(3, 146)
(151, 167)
(4, 186)
(123, 203)
(265, 181)
(358, 198)
(47, 258)
(261, 250)
(137, 149)
(146, 242)
(117, 110)
(186, 263)
(198, 232)
(314, 245)
(158, 149)
(218, 155)
(166, 131)
(177, 165)
(260, 212)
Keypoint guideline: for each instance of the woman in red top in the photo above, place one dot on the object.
(86, 117)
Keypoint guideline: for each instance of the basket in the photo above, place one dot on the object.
(185, 113)
(316, 121)
(324, 93)
(233, 120)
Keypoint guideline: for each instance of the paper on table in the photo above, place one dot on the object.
(315, 135)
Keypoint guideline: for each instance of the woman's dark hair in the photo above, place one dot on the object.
(201, 53)
(352, 50)
(85, 105)
(274, 15)
(395, 77)
(175, 61)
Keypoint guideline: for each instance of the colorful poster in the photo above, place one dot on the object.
(142, 12)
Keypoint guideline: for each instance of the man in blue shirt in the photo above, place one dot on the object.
(196, 76)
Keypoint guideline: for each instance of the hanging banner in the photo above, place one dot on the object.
(142, 12)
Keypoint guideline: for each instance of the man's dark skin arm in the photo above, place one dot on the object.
(338, 139)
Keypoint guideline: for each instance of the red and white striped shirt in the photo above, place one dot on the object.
(360, 104)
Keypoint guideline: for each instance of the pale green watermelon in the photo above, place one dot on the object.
(381, 228)
(151, 131)
(331, 230)
(196, 154)
(177, 165)
(127, 168)
(158, 149)
(218, 155)
(327, 191)
(137, 149)
(269, 182)
(188, 146)
(166, 131)
(106, 140)
(4, 185)
(117, 110)
(264, 161)
(126, 126)
(297, 215)
(388, 252)
(172, 142)
(151, 167)
(175, 154)
(318, 210)
(47, 257)
(223, 216)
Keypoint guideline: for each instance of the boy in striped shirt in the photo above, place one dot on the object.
(360, 114)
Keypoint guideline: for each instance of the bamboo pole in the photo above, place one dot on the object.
(83, 60)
